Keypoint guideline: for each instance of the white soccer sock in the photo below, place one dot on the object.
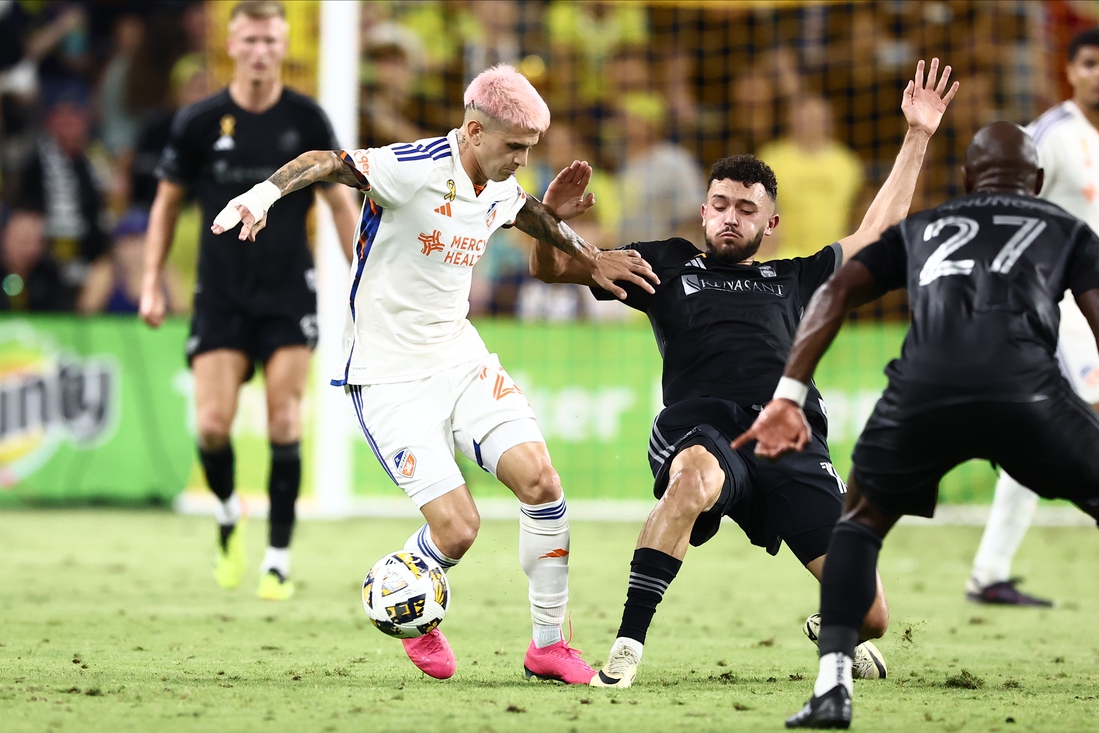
(421, 542)
(1013, 507)
(544, 556)
(276, 558)
(229, 511)
(625, 641)
(835, 669)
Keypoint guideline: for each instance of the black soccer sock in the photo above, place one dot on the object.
(218, 465)
(282, 488)
(651, 571)
(848, 586)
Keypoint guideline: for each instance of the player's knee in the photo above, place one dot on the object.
(876, 622)
(456, 535)
(687, 493)
(284, 425)
(213, 426)
(542, 485)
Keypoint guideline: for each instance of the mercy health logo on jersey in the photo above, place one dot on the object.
(48, 397)
(405, 463)
(697, 283)
(462, 251)
(431, 242)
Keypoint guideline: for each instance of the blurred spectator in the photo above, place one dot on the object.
(394, 56)
(490, 28)
(583, 38)
(59, 180)
(534, 299)
(114, 281)
(60, 44)
(660, 184)
(118, 125)
(30, 279)
(818, 177)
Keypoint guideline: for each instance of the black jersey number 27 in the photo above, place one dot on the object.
(1027, 229)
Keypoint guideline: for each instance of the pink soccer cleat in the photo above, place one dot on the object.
(557, 662)
(432, 655)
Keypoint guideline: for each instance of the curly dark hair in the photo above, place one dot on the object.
(1089, 37)
(746, 169)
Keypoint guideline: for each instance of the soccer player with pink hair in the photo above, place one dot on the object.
(417, 373)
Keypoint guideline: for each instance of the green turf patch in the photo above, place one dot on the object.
(111, 621)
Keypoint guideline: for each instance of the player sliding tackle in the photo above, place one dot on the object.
(724, 322)
(417, 373)
(977, 377)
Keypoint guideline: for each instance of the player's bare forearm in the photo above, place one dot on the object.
(849, 288)
(540, 222)
(923, 103)
(162, 225)
(894, 199)
(308, 168)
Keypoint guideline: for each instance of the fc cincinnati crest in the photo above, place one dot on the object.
(405, 463)
(491, 215)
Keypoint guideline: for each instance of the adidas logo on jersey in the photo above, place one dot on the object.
(444, 209)
(697, 262)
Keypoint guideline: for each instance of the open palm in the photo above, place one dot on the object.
(924, 102)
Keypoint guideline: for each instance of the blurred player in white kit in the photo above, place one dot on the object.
(1067, 137)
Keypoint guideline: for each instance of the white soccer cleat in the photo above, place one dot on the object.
(619, 670)
(869, 664)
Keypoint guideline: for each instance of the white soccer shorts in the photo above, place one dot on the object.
(414, 427)
(1076, 352)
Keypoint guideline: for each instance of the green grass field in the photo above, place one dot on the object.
(110, 621)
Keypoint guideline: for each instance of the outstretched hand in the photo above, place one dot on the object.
(566, 193)
(625, 265)
(923, 103)
(780, 428)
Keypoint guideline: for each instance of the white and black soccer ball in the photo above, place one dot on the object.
(406, 595)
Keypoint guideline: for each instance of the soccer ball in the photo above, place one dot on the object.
(405, 595)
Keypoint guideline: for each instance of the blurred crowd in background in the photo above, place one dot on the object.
(651, 95)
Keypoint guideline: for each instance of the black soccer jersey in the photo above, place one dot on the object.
(725, 330)
(218, 151)
(984, 274)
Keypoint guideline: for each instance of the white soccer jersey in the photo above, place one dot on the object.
(1068, 148)
(423, 228)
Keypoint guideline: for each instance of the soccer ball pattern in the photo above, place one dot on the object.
(405, 595)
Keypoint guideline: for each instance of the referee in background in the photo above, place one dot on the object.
(255, 302)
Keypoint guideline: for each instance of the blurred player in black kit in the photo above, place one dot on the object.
(977, 377)
(724, 324)
(254, 302)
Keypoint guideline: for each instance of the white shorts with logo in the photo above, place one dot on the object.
(414, 427)
(1076, 351)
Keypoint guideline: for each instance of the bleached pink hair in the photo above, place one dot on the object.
(505, 95)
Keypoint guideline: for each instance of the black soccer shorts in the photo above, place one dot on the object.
(1050, 445)
(797, 499)
(258, 337)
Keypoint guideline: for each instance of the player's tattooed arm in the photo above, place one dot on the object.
(308, 168)
(584, 263)
(781, 427)
(250, 208)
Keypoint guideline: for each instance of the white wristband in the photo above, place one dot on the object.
(257, 200)
(793, 390)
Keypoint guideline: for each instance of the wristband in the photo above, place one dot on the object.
(257, 200)
(793, 390)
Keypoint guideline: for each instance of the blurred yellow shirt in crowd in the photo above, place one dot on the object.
(815, 194)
